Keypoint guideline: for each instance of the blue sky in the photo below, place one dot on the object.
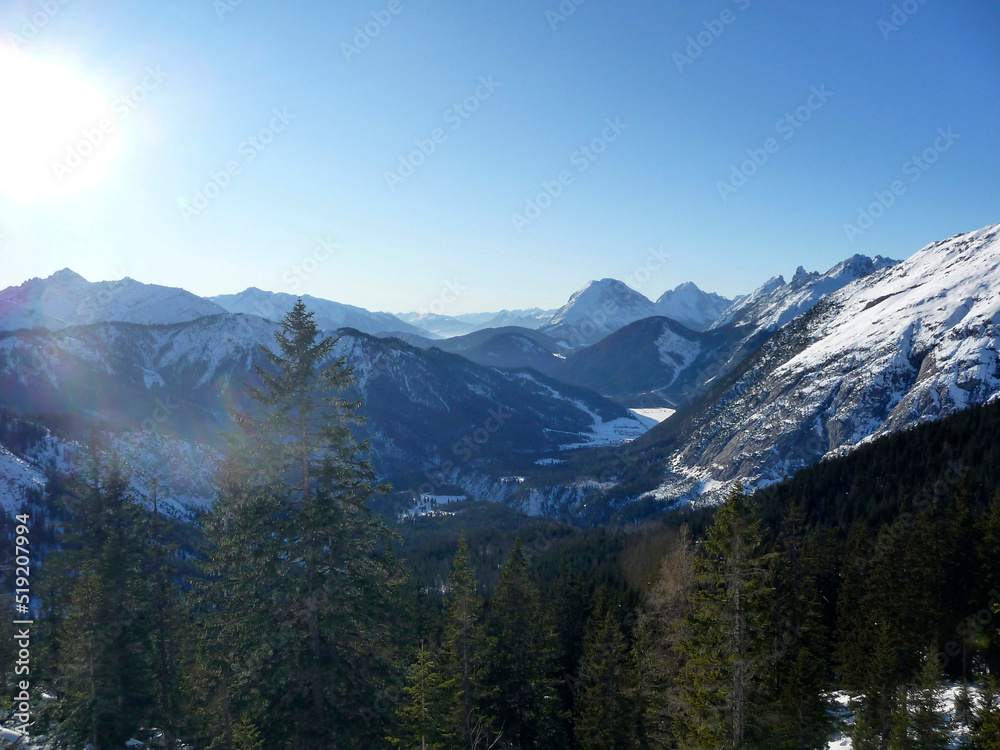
(686, 114)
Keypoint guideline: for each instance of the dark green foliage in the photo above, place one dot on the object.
(302, 587)
(100, 609)
(519, 680)
(423, 716)
(727, 649)
(606, 713)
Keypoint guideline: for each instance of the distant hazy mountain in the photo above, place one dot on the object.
(329, 315)
(534, 318)
(67, 299)
(439, 325)
(598, 309)
(689, 305)
(459, 325)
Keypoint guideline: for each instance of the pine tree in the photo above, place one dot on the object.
(799, 717)
(661, 627)
(463, 644)
(302, 578)
(424, 720)
(519, 684)
(606, 717)
(727, 648)
(919, 721)
(929, 723)
(103, 651)
(986, 728)
(889, 610)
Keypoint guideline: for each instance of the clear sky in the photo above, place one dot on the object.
(693, 90)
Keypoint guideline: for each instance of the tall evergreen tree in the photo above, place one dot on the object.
(728, 646)
(986, 727)
(463, 641)
(662, 626)
(799, 716)
(920, 721)
(606, 714)
(98, 581)
(519, 681)
(889, 611)
(301, 567)
(424, 721)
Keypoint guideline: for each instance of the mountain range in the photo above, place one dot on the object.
(763, 385)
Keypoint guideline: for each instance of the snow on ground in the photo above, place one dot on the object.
(17, 479)
(657, 415)
(428, 505)
(948, 698)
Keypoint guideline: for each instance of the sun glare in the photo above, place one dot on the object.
(58, 134)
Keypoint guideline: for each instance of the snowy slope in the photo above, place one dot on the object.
(18, 480)
(180, 382)
(66, 299)
(776, 303)
(329, 315)
(911, 342)
(689, 305)
(533, 318)
(598, 309)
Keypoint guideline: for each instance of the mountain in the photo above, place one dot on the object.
(447, 326)
(599, 308)
(654, 362)
(441, 326)
(909, 343)
(67, 299)
(425, 409)
(329, 315)
(507, 347)
(688, 305)
(776, 302)
(533, 318)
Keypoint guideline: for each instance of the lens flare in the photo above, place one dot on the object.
(58, 134)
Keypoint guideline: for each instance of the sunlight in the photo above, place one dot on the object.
(58, 134)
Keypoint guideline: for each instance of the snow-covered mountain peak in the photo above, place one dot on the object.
(776, 302)
(802, 277)
(330, 315)
(67, 299)
(599, 308)
(67, 276)
(902, 343)
(690, 306)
